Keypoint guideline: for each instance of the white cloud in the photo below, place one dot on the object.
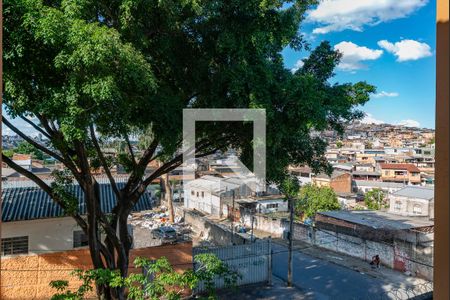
(409, 123)
(386, 94)
(406, 49)
(353, 55)
(369, 119)
(339, 15)
(297, 65)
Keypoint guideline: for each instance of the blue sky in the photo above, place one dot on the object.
(398, 58)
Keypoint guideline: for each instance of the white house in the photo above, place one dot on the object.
(207, 194)
(33, 223)
(413, 201)
(363, 186)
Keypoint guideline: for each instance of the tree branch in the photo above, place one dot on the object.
(130, 149)
(35, 126)
(31, 141)
(45, 187)
(104, 163)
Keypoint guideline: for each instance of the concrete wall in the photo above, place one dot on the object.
(220, 234)
(28, 277)
(408, 252)
(44, 235)
(265, 223)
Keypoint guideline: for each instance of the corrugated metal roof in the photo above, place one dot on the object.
(420, 192)
(30, 202)
(378, 219)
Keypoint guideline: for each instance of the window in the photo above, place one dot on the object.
(197, 194)
(15, 245)
(203, 194)
(192, 193)
(398, 205)
(79, 239)
(417, 209)
(273, 205)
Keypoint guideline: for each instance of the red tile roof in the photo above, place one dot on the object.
(408, 167)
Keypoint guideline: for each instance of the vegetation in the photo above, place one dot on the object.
(92, 71)
(313, 199)
(165, 281)
(375, 199)
(8, 153)
(27, 148)
(339, 144)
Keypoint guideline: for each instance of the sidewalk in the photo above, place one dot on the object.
(391, 277)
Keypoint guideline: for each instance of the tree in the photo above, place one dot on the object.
(168, 197)
(8, 153)
(165, 282)
(313, 199)
(92, 72)
(375, 199)
(27, 148)
(339, 144)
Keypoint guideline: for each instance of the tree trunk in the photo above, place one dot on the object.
(169, 197)
(106, 255)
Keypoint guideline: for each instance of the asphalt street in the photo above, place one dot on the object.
(324, 280)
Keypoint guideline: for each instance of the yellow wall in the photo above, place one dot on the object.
(28, 277)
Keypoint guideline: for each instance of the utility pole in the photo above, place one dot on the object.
(291, 231)
(253, 219)
(232, 221)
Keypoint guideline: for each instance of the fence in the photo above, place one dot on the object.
(251, 261)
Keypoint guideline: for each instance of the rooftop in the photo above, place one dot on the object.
(408, 167)
(378, 219)
(26, 201)
(421, 192)
(335, 174)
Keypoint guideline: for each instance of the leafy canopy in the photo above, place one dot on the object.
(375, 199)
(165, 281)
(27, 148)
(313, 199)
(130, 67)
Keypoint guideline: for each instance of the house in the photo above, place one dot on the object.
(365, 167)
(364, 186)
(340, 182)
(366, 175)
(406, 173)
(23, 160)
(261, 204)
(33, 223)
(413, 201)
(208, 193)
(304, 174)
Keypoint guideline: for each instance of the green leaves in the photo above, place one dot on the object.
(61, 186)
(375, 199)
(165, 281)
(313, 199)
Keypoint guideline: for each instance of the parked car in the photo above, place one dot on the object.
(167, 234)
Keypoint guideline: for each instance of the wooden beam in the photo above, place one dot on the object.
(442, 196)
